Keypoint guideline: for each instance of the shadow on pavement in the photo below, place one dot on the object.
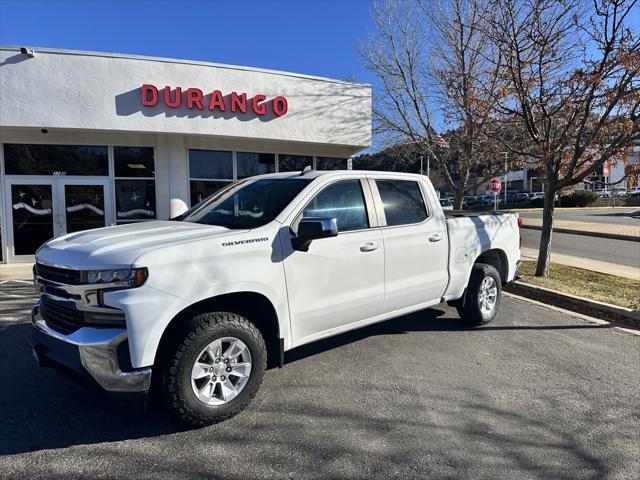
(42, 410)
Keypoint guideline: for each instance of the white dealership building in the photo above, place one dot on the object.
(93, 139)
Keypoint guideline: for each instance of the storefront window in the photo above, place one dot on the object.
(331, 163)
(211, 164)
(22, 159)
(133, 162)
(135, 185)
(135, 200)
(209, 171)
(250, 164)
(294, 163)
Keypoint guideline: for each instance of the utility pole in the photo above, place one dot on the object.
(421, 157)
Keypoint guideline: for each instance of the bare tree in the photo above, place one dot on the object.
(571, 85)
(431, 59)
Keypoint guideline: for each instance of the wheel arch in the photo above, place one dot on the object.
(497, 258)
(254, 306)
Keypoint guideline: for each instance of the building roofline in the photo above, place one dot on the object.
(60, 51)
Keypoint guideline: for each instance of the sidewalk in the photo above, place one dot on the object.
(609, 230)
(586, 264)
(16, 271)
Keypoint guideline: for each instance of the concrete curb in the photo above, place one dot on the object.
(614, 236)
(577, 304)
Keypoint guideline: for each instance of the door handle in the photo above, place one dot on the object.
(369, 247)
(436, 237)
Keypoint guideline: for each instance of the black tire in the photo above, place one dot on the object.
(175, 384)
(469, 308)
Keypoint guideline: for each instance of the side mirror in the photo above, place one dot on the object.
(313, 228)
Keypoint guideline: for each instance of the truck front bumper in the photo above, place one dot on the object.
(98, 356)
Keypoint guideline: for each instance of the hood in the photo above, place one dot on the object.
(118, 247)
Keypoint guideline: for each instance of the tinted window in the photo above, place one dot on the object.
(62, 159)
(294, 163)
(247, 204)
(133, 161)
(210, 164)
(250, 164)
(201, 189)
(403, 202)
(135, 200)
(342, 200)
(331, 163)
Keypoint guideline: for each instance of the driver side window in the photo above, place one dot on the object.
(344, 201)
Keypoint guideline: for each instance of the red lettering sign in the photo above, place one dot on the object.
(194, 98)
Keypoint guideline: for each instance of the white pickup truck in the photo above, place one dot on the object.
(193, 309)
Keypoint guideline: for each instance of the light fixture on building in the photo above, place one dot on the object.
(28, 51)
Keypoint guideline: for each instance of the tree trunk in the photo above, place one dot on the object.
(544, 254)
(458, 196)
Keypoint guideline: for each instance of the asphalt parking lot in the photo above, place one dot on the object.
(536, 395)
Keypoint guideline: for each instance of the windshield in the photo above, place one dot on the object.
(246, 204)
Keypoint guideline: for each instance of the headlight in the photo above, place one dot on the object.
(132, 276)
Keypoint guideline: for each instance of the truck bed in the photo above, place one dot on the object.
(473, 213)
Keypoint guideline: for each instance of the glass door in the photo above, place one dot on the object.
(41, 209)
(86, 204)
(30, 216)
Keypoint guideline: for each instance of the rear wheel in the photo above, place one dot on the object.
(482, 297)
(215, 370)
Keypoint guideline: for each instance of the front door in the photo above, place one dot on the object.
(340, 280)
(41, 209)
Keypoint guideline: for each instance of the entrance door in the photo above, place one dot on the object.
(41, 209)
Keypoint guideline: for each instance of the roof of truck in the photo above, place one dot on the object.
(338, 173)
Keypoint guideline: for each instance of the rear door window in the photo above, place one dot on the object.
(402, 201)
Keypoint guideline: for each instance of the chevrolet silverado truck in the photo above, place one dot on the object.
(194, 309)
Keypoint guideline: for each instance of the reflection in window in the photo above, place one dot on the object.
(294, 163)
(250, 164)
(133, 162)
(201, 189)
(402, 202)
(135, 200)
(134, 184)
(84, 207)
(32, 211)
(209, 171)
(210, 164)
(343, 201)
(23, 159)
(331, 163)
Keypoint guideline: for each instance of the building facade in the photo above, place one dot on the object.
(95, 139)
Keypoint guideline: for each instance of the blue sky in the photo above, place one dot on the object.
(315, 37)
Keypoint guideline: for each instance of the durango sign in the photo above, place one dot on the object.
(194, 98)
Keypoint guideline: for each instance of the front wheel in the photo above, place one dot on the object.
(482, 298)
(215, 370)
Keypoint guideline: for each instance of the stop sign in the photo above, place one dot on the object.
(496, 185)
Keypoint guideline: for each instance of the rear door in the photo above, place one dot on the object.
(415, 242)
(340, 280)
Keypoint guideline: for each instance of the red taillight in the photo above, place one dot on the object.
(519, 236)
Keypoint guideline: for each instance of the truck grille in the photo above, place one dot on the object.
(59, 275)
(61, 318)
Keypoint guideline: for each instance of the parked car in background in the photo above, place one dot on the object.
(471, 201)
(603, 193)
(634, 191)
(619, 192)
(446, 204)
(520, 197)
